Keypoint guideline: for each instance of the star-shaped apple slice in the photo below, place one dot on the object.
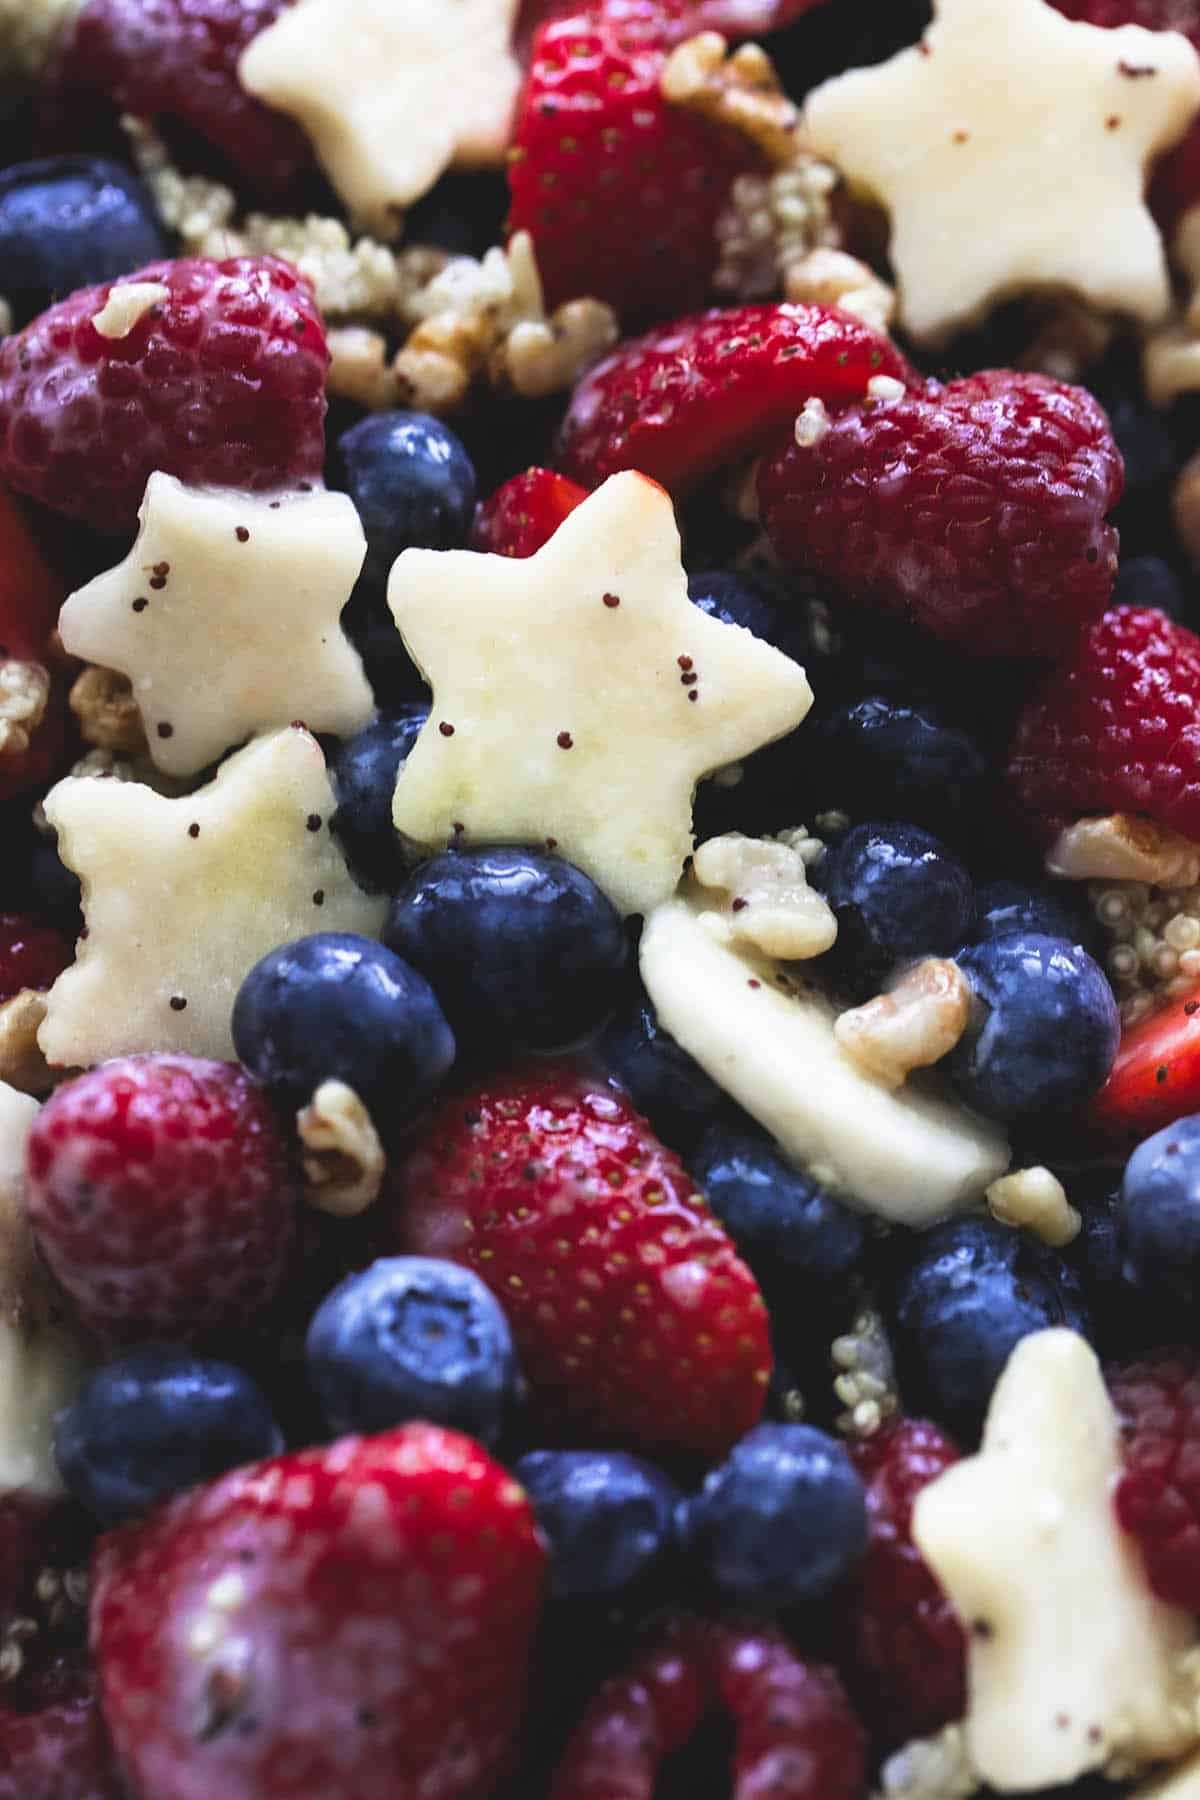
(225, 616)
(579, 695)
(391, 92)
(182, 896)
(1010, 147)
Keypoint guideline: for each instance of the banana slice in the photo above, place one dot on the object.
(42, 1359)
(766, 1036)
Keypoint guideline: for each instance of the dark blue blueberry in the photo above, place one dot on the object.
(68, 222)
(523, 949)
(780, 1521)
(58, 894)
(1149, 581)
(1043, 1029)
(609, 1518)
(335, 1007)
(665, 1083)
(155, 1421)
(796, 1237)
(882, 757)
(966, 1293)
(364, 779)
(736, 599)
(897, 893)
(1003, 907)
(1130, 1316)
(412, 1338)
(1158, 1211)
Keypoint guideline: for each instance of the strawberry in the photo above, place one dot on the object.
(1114, 727)
(695, 396)
(33, 711)
(160, 1193)
(796, 1737)
(634, 1318)
(976, 508)
(349, 1620)
(525, 512)
(621, 190)
(1156, 1076)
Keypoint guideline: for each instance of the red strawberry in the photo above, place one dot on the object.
(1156, 1077)
(699, 394)
(620, 189)
(525, 512)
(59, 1753)
(634, 1318)
(976, 509)
(1115, 727)
(160, 1193)
(31, 955)
(176, 62)
(797, 1738)
(679, 19)
(906, 1644)
(222, 384)
(349, 1620)
(33, 711)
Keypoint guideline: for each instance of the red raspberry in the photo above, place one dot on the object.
(1115, 727)
(976, 509)
(796, 1737)
(906, 1644)
(223, 385)
(59, 1753)
(525, 512)
(176, 62)
(1158, 1496)
(31, 955)
(160, 1194)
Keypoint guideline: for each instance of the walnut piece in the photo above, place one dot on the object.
(826, 276)
(29, 34)
(1185, 502)
(359, 369)
(1124, 847)
(22, 1064)
(24, 692)
(913, 1026)
(766, 899)
(108, 714)
(740, 91)
(1171, 354)
(1036, 1200)
(1069, 337)
(342, 1156)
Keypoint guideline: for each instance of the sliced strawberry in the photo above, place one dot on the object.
(525, 513)
(695, 396)
(620, 190)
(636, 1321)
(1156, 1077)
(677, 20)
(353, 1620)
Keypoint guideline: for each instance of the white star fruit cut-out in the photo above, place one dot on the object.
(225, 616)
(181, 898)
(1071, 1658)
(1010, 148)
(579, 695)
(391, 92)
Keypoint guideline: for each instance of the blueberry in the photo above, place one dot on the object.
(1149, 581)
(1043, 1029)
(609, 1518)
(781, 1520)
(155, 1421)
(1131, 1315)
(1003, 907)
(880, 756)
(1158, 1211)
(68, 222)
(58, 893)
(966, 1293)
(523, 949)
(664, 1082)
(335, 1007)
(897, 893)
(364, 779)
(412, 1338)
(735, 599)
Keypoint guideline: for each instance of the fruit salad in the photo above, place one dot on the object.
(599, 899)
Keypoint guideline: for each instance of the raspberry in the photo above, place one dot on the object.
(176, 62)
(907, 1647)
(1115, 727)
(976, 509)
(222, 385)
(31, 955)
(1158, 1497)
(160, 1194)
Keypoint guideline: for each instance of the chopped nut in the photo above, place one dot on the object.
(1185, 504)
(812, 422)
(108, 716)
(830, 277)
(771, 223)
(29, 34)
(882, 388)
(358, 368)
(740, 91)
(1124, 847)
(342, 1157)
(544, 357)
(24, 692)
(22, 1064)
(913, 1026)
(1171, 355)
(933, 1768)
(127, 304)
(6, 318)
(767, 899)
(1035, 1199)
